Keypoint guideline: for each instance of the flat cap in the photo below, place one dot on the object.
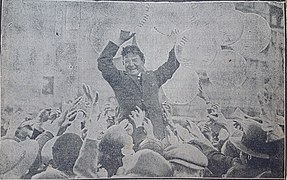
(186, 155)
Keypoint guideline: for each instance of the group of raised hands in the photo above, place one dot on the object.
(81, 116)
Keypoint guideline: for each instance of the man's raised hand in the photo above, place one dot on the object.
(124, 36)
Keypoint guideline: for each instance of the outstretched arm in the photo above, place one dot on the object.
(165, 71)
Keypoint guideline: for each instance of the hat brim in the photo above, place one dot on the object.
(236, 141)
(186, 164)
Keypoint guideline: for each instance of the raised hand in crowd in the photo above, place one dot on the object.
(91, 102)
(148, 128)
(75, 127)
(167, 114)
(60, 124)
(137, 116)
(45, 115)
(215, 115)
(196, 133)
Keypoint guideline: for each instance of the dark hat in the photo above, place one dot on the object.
(66, 150)
(252, 142)
(147, 163)
(186, 155)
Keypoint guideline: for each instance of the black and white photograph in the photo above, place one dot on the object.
(142, 89)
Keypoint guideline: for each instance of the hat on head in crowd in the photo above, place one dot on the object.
(186, 155)
(147, 163)
(152, 144)
(17, 157)
(66, 150)
(252, 142)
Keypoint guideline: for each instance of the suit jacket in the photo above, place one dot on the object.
(130, 92)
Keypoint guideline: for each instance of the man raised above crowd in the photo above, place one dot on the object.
(135, 86)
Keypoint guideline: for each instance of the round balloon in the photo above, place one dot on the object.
(197, 47)
(229, 69)
(255, 37)
(182, 87)
(168, 17)
(230, 27)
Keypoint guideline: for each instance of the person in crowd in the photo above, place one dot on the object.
(186, 160)
(65, 153)
(115, 145)
(146, 163)
(135, 86)
(17, 157)
(253, 153)
(27, 152)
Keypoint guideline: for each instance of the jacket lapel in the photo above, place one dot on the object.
(136, 81)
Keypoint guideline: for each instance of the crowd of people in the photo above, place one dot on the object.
(82, 141)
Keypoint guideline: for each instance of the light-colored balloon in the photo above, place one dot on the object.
(183, 86)
(255, 37)
(167, 17)
(229, 69)
(230, 27)
(197, 47)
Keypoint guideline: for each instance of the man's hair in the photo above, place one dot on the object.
(133, 49)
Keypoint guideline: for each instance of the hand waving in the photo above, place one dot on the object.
(137, 116)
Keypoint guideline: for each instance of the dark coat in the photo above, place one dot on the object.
(130, 92)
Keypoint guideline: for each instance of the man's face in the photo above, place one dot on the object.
(133, 64)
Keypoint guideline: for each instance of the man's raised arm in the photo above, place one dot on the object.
(165, 71)
(105, 63)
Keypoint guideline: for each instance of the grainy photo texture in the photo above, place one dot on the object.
(94, 89)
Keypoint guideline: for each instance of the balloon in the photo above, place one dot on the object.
(197, 46)
(255, 37)
(182, 87)
(229, 69)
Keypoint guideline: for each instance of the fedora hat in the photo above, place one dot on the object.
(252, 141)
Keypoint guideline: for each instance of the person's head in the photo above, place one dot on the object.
(133, 60)
(186, 160)
(16, 158)
(65, 152)
(252, 146)
(115, 144)
(147, 163)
